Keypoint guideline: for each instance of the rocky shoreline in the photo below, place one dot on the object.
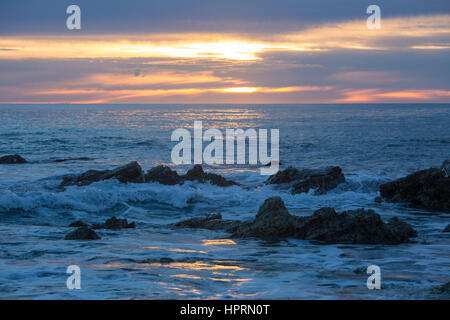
(428, 189)
(273, 222)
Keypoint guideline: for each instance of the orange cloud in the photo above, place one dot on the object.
(376, 95)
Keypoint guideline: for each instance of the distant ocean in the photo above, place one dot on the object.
(372, 143)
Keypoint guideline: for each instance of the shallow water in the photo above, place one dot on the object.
(372, 143)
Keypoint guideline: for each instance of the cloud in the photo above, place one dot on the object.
(407, 60)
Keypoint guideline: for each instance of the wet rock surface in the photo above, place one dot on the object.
(114, 224)
(274, 221)
(163, 175)
(78, 223)
(211, 222)
(444, 289)
(82, 233)
(425, 189)
(12, 159)
(167, 176)
(299, 181)
(130, 172)
(197, 174)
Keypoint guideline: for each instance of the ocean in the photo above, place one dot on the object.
(372, 143)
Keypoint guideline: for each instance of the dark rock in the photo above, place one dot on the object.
(447, 228)
(163, 175)
(426, 189)
(130, 172)
(211, 222)
(162, 260)
(353, 226)
(401, 229)
(78, 223)
(444, 289)
(197, 174)
(378, 199)
(12, 159)
(274, 221)
(71, 159)
(320, 180)
(114, 224)
(445, 167)
(360, 270)
(82, 233)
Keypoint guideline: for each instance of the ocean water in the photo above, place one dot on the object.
(372, 143)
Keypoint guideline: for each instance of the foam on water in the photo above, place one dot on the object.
(373, 144)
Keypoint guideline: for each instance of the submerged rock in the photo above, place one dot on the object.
(82, 233)
(444, 289)
(162, 260)
(12, 159)
(197, 174)
(211, 222)
(114, 224)
(426, 189)
(78, 223)
(299, 181)
(274, 221)
(130, 172)
(163, 175)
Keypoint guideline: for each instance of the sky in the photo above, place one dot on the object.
(208, 51)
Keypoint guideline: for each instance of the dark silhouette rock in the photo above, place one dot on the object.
(378, 199)
(197, 174)
(114, 224)
(163, 175)
(211, 222)
(130, 172)
(299, 181)
(447, 228)
(12, 159)
(425, 189)
(445, 167)
(71, 159)
(82, 233)
(444, 289)
(162, 260)
(78, 223)
(274, 221)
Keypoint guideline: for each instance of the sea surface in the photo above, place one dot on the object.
(372, 143)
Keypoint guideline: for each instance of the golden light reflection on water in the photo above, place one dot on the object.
(174, 249)
(218, 242)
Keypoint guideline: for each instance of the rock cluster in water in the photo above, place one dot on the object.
(299, 181)
(132, 172)
(165, 175)
(114, 224)
(84, 232)
(425, 189)
(12, 159)
(274, 221)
